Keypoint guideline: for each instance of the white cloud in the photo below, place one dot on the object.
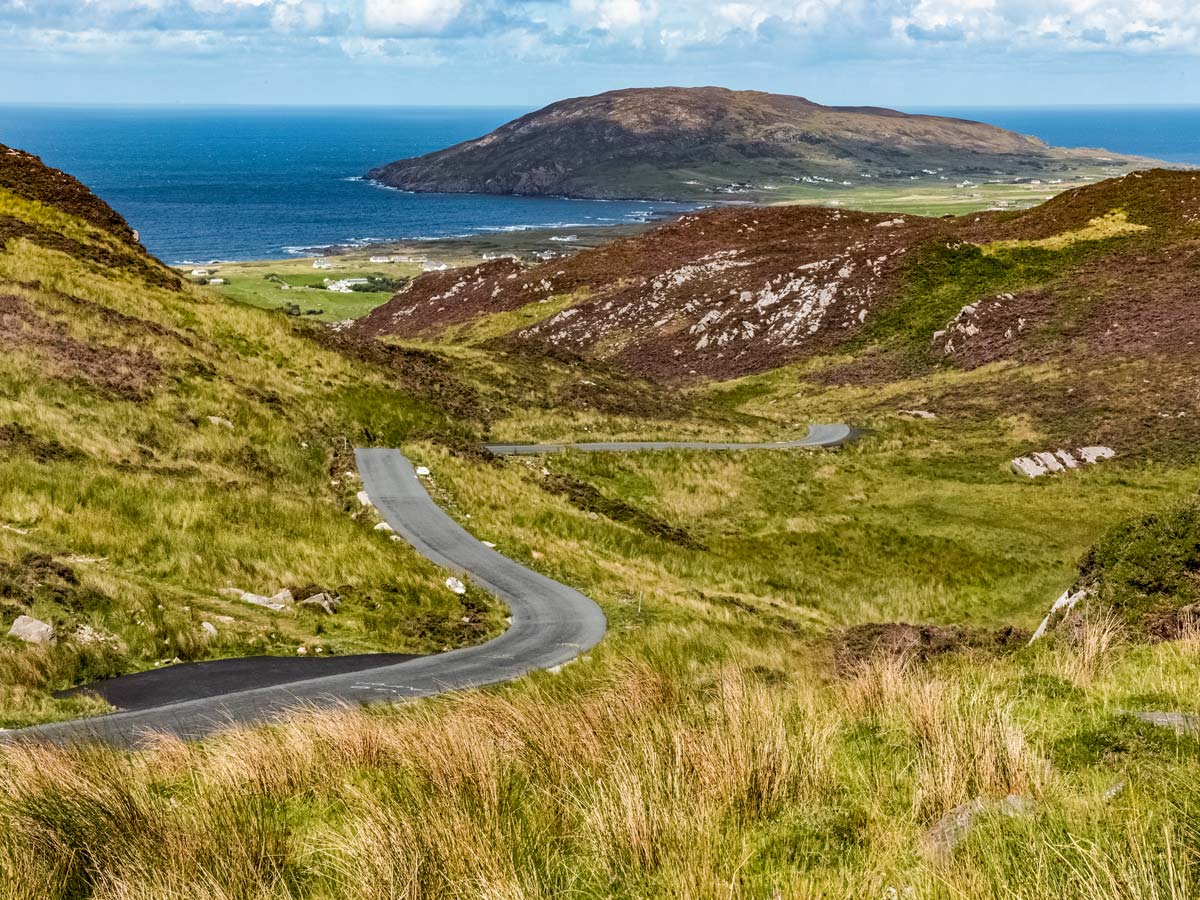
(403, 17)
(730, 31)
(614, 15)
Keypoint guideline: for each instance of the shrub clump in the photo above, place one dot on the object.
(1148, 569)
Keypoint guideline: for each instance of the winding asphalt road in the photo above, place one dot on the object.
(551, 623)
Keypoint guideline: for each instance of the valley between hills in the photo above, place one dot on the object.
(817, 677)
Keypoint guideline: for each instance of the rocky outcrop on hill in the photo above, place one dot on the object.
(727, 292)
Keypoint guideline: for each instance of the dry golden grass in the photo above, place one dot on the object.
(1093, 645)
(1110, 225)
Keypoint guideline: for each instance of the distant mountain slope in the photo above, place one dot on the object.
(1100, 285)
(687, 143)
(1098, 275)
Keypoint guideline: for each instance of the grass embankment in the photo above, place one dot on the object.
(280, 284)
(111, 466)
(711, 747)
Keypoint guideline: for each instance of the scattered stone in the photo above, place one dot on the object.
(538, 554)
(364, 499)
(235, 593)
(14, 529)
(323, 602)
(266, 602)
(1067, 459)
(422, 470)
(952, 829)
(455, 585)
(217, 420)
(1092, 455)
(1031, 468)
(33, 631)
(1115, 791)
(489, 545)
(1058, 611)
(86, 634)
(209, 629)
(1048, 462)
(301, 651)
(384, 526)
(284, 597)
(918, 413)
(1180, 723)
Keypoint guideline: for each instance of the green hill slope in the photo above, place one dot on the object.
(157, 445)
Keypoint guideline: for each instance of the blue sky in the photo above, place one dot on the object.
(528, 52)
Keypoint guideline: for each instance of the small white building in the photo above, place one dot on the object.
(322, 264)
(200, 273)
(216, 281)
(346, 285)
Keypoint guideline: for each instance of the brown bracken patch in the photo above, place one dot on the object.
(15, 438)
(124, 373)
(863, 643)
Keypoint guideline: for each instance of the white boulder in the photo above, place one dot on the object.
(321, 602)
(1066, 459)
(33, 631)
(455, 585)
(1028, 466)
(1063, 604)
(209, 629)
(1053, 462)
(223, 423)
(1049, 461)
(265, 602)
(1095, 454)
(422, 470)
(364, 499)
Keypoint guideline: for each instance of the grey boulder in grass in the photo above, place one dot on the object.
(33, 631)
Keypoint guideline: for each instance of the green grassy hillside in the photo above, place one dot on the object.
(813, 658)
(158, 444)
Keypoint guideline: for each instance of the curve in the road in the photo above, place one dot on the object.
(551, 623)
(818, 436)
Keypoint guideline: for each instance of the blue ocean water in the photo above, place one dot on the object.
(1170, 133)
(253, 183)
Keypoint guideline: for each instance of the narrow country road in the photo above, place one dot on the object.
(818, 436)
(551, 623)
